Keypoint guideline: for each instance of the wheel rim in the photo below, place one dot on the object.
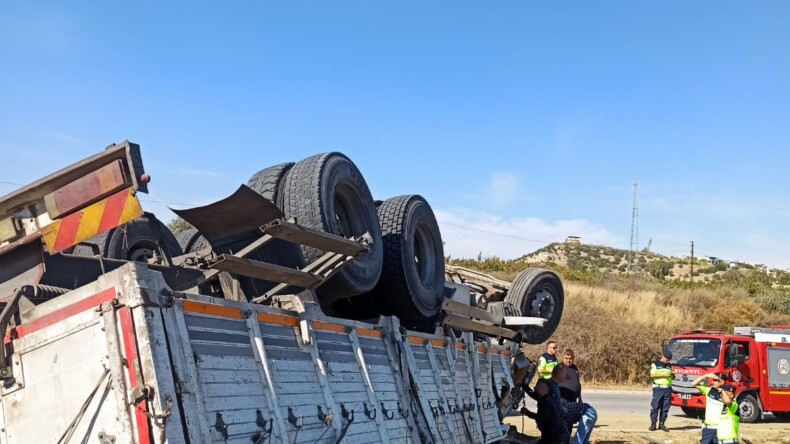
(746, 409)
(543, 305)
(424, 255)
(141, 253)
(344, 203)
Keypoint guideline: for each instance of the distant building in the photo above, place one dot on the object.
(573, 240)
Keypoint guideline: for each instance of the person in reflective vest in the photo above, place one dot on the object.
(548, 360)
(713, 406)
(661, 374)
(729, 422)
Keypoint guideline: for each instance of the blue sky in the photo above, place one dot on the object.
(520, 122)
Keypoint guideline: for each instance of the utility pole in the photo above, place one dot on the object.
(692, 262)
(632, 251)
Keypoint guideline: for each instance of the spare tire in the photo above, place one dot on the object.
(137, 240)
(411, 285)
(327, 192)
(537, 293)
(268, 182)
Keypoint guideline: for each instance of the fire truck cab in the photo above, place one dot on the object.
(756, 361)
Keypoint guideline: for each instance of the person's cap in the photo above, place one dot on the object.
(667, 353)
(723, 376)
(728, 388)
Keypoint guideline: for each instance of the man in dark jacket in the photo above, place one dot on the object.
(574, 411)
(549, 417)
(571, 387)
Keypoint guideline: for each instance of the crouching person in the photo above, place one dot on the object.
(549, 417)
(573, 411)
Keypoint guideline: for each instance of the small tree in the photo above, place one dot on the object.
(178, 225)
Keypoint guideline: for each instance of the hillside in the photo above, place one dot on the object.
(596, 258)
(611, 313)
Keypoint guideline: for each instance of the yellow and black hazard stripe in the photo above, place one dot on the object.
(97, 218)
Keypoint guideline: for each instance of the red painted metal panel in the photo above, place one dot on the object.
(63, 313)
(135, 378)
(87, 190)
(112, 212)
(67, 231)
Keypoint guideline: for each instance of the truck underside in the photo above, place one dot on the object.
(261, 324)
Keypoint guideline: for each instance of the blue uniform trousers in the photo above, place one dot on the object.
(709, 435)
(659, 407)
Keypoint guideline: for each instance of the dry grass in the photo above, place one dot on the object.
(616, 332)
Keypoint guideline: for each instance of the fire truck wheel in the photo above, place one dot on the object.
(327, 192)
(537, 293)
(693, 413)
(412, 277)
(137, 240)
(750, 409)
(268, 182)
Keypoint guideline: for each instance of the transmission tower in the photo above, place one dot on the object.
(634, 248)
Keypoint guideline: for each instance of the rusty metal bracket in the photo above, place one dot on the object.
(106, 439)
(220, 425)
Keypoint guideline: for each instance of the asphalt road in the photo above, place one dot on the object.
(624, 401)
(610, 401)
(619, 401)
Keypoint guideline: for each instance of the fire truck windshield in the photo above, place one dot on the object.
(697, 352)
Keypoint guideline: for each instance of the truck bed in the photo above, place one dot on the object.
(126, 359)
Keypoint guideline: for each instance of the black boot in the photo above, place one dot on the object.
(652, 426)
(661, 426)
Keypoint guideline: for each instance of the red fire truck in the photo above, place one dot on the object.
(756, 362)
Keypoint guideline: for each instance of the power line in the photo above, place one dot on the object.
(497, 234)
(169, 203)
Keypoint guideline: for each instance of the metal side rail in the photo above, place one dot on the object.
(465, 317)
(339, 250)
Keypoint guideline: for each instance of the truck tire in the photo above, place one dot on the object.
(749, 408)
(693, 413)
(134, 240)
(268, 182)
(327, 192)
(538, 293)
(191, 240)
(86, 248)
(411, 285)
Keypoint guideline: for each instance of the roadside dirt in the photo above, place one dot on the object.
(619, 428)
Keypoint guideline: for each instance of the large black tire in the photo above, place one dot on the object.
(749, 408)
(327, 192)
(538, 293)
(411, 285)
(268, 182)
(693, 413)
(86, 248)
(191, 240)
(137, 240)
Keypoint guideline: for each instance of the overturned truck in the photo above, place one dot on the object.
(296, 310)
